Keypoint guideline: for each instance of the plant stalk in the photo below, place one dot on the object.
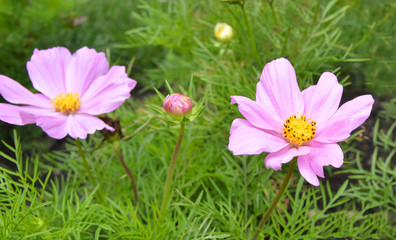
(253, 43)
(90, 175)
(245, 191)
(127, 170)
(277, 197)
(271, 3)
(171, 171)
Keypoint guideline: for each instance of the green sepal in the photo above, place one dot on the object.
(162, 97)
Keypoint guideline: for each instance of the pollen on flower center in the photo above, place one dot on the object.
(299, 130)
(66, 102)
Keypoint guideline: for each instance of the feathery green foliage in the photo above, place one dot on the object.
(216, 195)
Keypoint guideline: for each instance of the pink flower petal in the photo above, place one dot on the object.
(347, 118)
(15, 93)
(333, 132)
(280, 84)
(237, 123)
(263, 99)
(37, 111)
(356, 111)
(306, 171)
(54, 125)
(257, 114)
(326, 154)
(14, 115)
(247, 139)
(317, 169)
(85, 66)
(47, 69)
(107, 92)
(79, 125)
(58, 125)
(322, 100)
(320, 155)
(275, 160)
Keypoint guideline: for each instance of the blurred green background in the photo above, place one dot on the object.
(156, 33)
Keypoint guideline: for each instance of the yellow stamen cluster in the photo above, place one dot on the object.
(66, 102)
(299, 130)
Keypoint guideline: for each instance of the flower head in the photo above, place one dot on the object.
(177, 106)
(74, 88)
(289, 123)
(223, 32)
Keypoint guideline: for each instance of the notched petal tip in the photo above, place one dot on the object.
(132, 83)
(329, 76)
(280, 84)
(108, 128)
(80, 125)
(306, 170)
(86, 52)
(275, 159)
(273, 165)
(233, 101)
(322, 100)
(15, 115)
(46, 70)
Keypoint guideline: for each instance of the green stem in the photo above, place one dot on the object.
(245, 191)
(273, 11)
(277, 198)
(170, 172)
(129, 173)
(87, 168)
(253, 43)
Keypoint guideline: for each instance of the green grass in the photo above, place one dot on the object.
(216, 195)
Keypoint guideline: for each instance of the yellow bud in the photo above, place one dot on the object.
(223, 32)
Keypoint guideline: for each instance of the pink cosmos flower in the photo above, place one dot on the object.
(74, 88)
(289, 123)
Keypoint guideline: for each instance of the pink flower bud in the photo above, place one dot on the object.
(177, 105)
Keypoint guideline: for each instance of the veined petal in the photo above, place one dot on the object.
(263, 99)
(322, 101)
(79, 125)
(356, 111)
(47, 70)
(280, 84)
(347, 118)
(107, 92)
(320, 155)
(333, 132)
(15, 93)
(257, 114)
(237, 123)
(85, 66)
(306, 171)
(247, 139)
(54, 125)
(58, 125)
(326, 154)
(275, 160)
(14, 115)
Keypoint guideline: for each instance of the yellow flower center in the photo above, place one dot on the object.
(299, 130)
(66, 102)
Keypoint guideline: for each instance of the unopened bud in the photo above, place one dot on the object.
(178, 106)
(223, 32)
